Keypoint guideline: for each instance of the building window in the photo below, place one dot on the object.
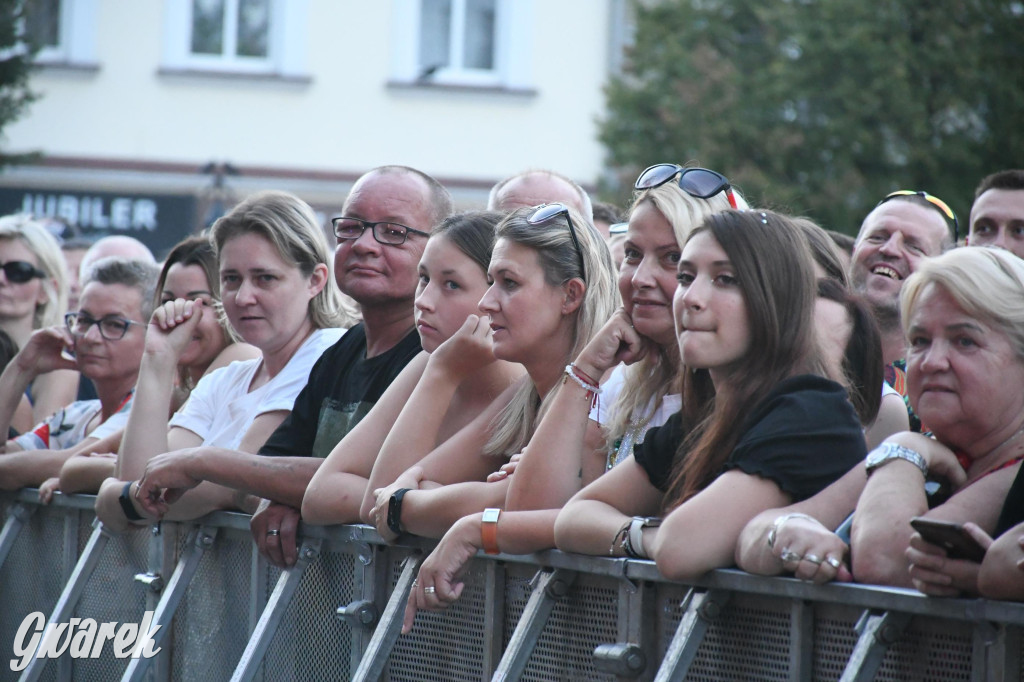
(64, 30)
(236, 36)
(457, 36)
(474, 43)
(231, 29)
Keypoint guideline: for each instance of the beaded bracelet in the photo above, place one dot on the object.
(591, 387)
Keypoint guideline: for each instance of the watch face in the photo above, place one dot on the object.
(876, 457)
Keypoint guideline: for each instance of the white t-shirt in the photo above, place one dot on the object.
(660, 413)
(221, 408)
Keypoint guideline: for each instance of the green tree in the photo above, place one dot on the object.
(822, 107)
(16, 55)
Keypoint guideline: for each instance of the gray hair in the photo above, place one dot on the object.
(134, 274)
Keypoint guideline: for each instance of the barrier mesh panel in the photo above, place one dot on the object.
(36, 553)
(445, 645)
(749, 641)
(113, 595)
(584, 619)
(211, 626)
(311, 644)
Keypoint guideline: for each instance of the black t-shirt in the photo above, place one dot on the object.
(343, 385)
(1013, 507)
(803, 436)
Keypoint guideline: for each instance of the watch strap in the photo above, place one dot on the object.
(125, 500)
(395, 510)
(891, 452)
(489, 530)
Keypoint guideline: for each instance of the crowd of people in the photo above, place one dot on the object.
(705, 384)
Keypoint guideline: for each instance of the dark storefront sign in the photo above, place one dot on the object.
(158, 220)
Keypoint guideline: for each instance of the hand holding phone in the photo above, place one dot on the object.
(953, 537)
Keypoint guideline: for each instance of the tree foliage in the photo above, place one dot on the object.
(16, 55)
(822, 107)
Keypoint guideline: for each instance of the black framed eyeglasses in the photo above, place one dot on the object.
(20, 271)
(545, 212)
(392, 234)
(112, 327)
(697, 182)
(940, 205)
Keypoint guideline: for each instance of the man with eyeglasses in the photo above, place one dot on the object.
(997, 216)
(382, 231)
(905, 228)
(104, 340)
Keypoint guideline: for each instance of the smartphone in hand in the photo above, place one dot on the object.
(952, 537)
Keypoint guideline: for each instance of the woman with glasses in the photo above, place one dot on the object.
(189, 273)
(104, 341)
(758, 422)
(279, 296)
(33, 295)
(636, 353)
(439, 392)
(552, 288)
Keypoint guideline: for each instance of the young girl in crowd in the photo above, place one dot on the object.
(758, 424)
(33, 295)
(553, 288)
(271, 255)
(634, 397)
(439, 392)
(189, 273)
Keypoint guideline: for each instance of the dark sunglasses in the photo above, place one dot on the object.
(697, 182)
(545, 212)
(938, 203)
(19, 271)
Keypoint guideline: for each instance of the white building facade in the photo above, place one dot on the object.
(137, 97)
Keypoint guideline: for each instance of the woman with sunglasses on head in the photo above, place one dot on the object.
(33, 295)
(437, 394)
(636, 352)
(552, 288)
(189, 273)
(280, 296)
(759, 424)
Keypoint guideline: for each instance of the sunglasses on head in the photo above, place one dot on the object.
(545, 212)
(19, 271)
(697, 182)
(938, 203)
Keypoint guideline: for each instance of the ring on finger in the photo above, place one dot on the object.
(429, 589)
(789, 555)
(273, 532)
(812, 558)
(834, 562)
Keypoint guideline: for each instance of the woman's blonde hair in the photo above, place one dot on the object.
(560, 262)
(38, 239)
(986, 282)
(648, 381)
(288, 223)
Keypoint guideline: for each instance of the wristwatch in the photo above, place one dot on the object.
(395, 510)
(887, 452)
(635, 537)
(489, 530)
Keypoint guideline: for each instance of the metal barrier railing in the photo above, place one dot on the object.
(224, 613)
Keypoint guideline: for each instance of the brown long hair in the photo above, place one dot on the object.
(775, 273)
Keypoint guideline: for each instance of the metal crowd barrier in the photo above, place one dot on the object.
(225, 614)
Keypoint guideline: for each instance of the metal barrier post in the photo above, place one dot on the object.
(877, 632)
(701, 609)
(17, 515)
(276, 606)
(551, 586)
(72, 592)
(199, 540)
(801, 641)
(371, 666)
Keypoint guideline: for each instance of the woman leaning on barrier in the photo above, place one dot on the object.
(965, 367)
(744, 312)
(637, 354)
